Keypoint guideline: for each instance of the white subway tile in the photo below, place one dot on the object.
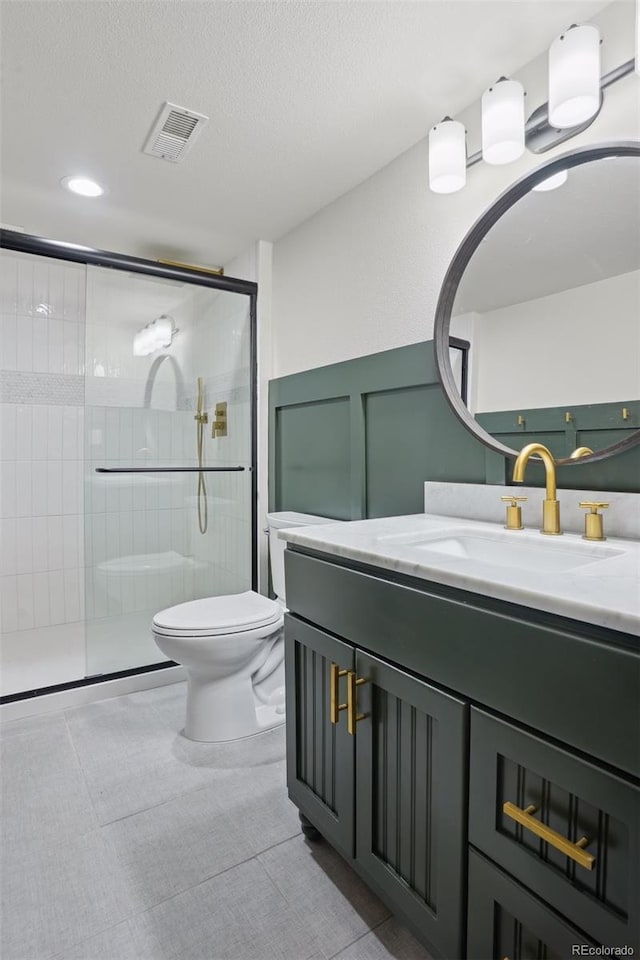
(8, 343)
(8, 547)
(71, 348)
(24, 344)
(8, 488)
(98, 540)
(41, 616)
(39, 506)
(70, 448)
(24, 431)
(40, 343)
(24, 545)
(25, 287)
(40, 544)
(112, 536)
(56, 290)
(71, 495)
(112, 433)
(24, 502)
(73, 276)
(24, 585)
(73, 590)
(99, 594)
(54, 487)
(56, 346)
(9, 604)
(8, 283)
(55, 534)
(41, 302)
(54, 433)
(71, 531)
(8, 431)
(40, 427)
(56, 596)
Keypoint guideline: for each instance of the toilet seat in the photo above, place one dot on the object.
(218, 616)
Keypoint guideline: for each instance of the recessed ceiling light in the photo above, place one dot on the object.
(83, 186)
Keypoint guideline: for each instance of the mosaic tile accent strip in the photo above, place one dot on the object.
(49, 388)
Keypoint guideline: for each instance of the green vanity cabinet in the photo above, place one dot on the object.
(389, 795)
(320, 754)
(458, 779)
(507, 923)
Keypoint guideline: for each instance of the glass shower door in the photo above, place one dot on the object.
(158, 529)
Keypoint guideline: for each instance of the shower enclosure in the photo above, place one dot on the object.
(115, 498)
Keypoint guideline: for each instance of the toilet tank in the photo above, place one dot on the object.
(280, 521)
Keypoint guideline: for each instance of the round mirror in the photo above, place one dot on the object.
(537, 330)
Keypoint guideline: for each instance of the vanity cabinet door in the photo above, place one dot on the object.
(320, 754)
(566, 828)
(507, 923)
(410, 799)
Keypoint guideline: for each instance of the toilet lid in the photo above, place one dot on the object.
(213, 616)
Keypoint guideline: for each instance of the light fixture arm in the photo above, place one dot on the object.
(540, 136)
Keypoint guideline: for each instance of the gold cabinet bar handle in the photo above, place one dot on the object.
(335, 706)
(572, 850)
(352, 702)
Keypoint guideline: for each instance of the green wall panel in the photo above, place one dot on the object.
(313, 457)
(396, 451)
(359, 438)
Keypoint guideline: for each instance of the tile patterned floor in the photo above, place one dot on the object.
(122, 840)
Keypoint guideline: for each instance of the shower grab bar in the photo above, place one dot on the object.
(169, 469)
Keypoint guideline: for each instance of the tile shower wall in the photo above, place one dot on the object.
(41, 464)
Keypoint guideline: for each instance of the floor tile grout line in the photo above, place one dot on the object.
(81, 768)
(361, 937)
(213, 876)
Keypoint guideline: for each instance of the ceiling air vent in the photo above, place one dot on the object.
(174, 133)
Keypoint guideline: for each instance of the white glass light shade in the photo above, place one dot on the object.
(574, 76)
(447, 157)
(555, 180)
(503, 122)
(163, 328)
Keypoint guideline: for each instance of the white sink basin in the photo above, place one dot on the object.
(512, 549)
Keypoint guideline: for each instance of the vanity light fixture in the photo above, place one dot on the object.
(574, 76)
(576, 96)
(556, 180)
(155, 335)
(447, 156)
(503, 122)
(82, 186)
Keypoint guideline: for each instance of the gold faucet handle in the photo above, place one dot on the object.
(593, 522)
(514, 512)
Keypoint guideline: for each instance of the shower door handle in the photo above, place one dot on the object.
(169, 469)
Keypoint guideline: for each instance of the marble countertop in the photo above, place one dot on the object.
(604, 589)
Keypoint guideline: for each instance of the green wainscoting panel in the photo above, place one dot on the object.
(383, 426)
(313, 457)
(358, 438)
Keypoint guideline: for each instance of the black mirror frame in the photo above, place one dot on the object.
(625, 148)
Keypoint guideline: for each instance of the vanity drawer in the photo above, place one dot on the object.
(506, 922)
(542, 784)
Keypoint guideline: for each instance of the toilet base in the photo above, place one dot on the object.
(219, 711)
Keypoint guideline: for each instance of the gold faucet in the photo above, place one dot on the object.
(550, 506)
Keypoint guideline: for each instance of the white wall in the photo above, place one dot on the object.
(364, 273)
(577, 346)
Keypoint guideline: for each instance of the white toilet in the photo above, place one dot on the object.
(233, 651)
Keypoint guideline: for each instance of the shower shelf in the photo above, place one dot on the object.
(169, 469)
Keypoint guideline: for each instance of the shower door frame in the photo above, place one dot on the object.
(90, 256)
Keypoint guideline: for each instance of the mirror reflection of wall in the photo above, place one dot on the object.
(550, 300)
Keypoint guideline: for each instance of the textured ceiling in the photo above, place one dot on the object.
(306, 100)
